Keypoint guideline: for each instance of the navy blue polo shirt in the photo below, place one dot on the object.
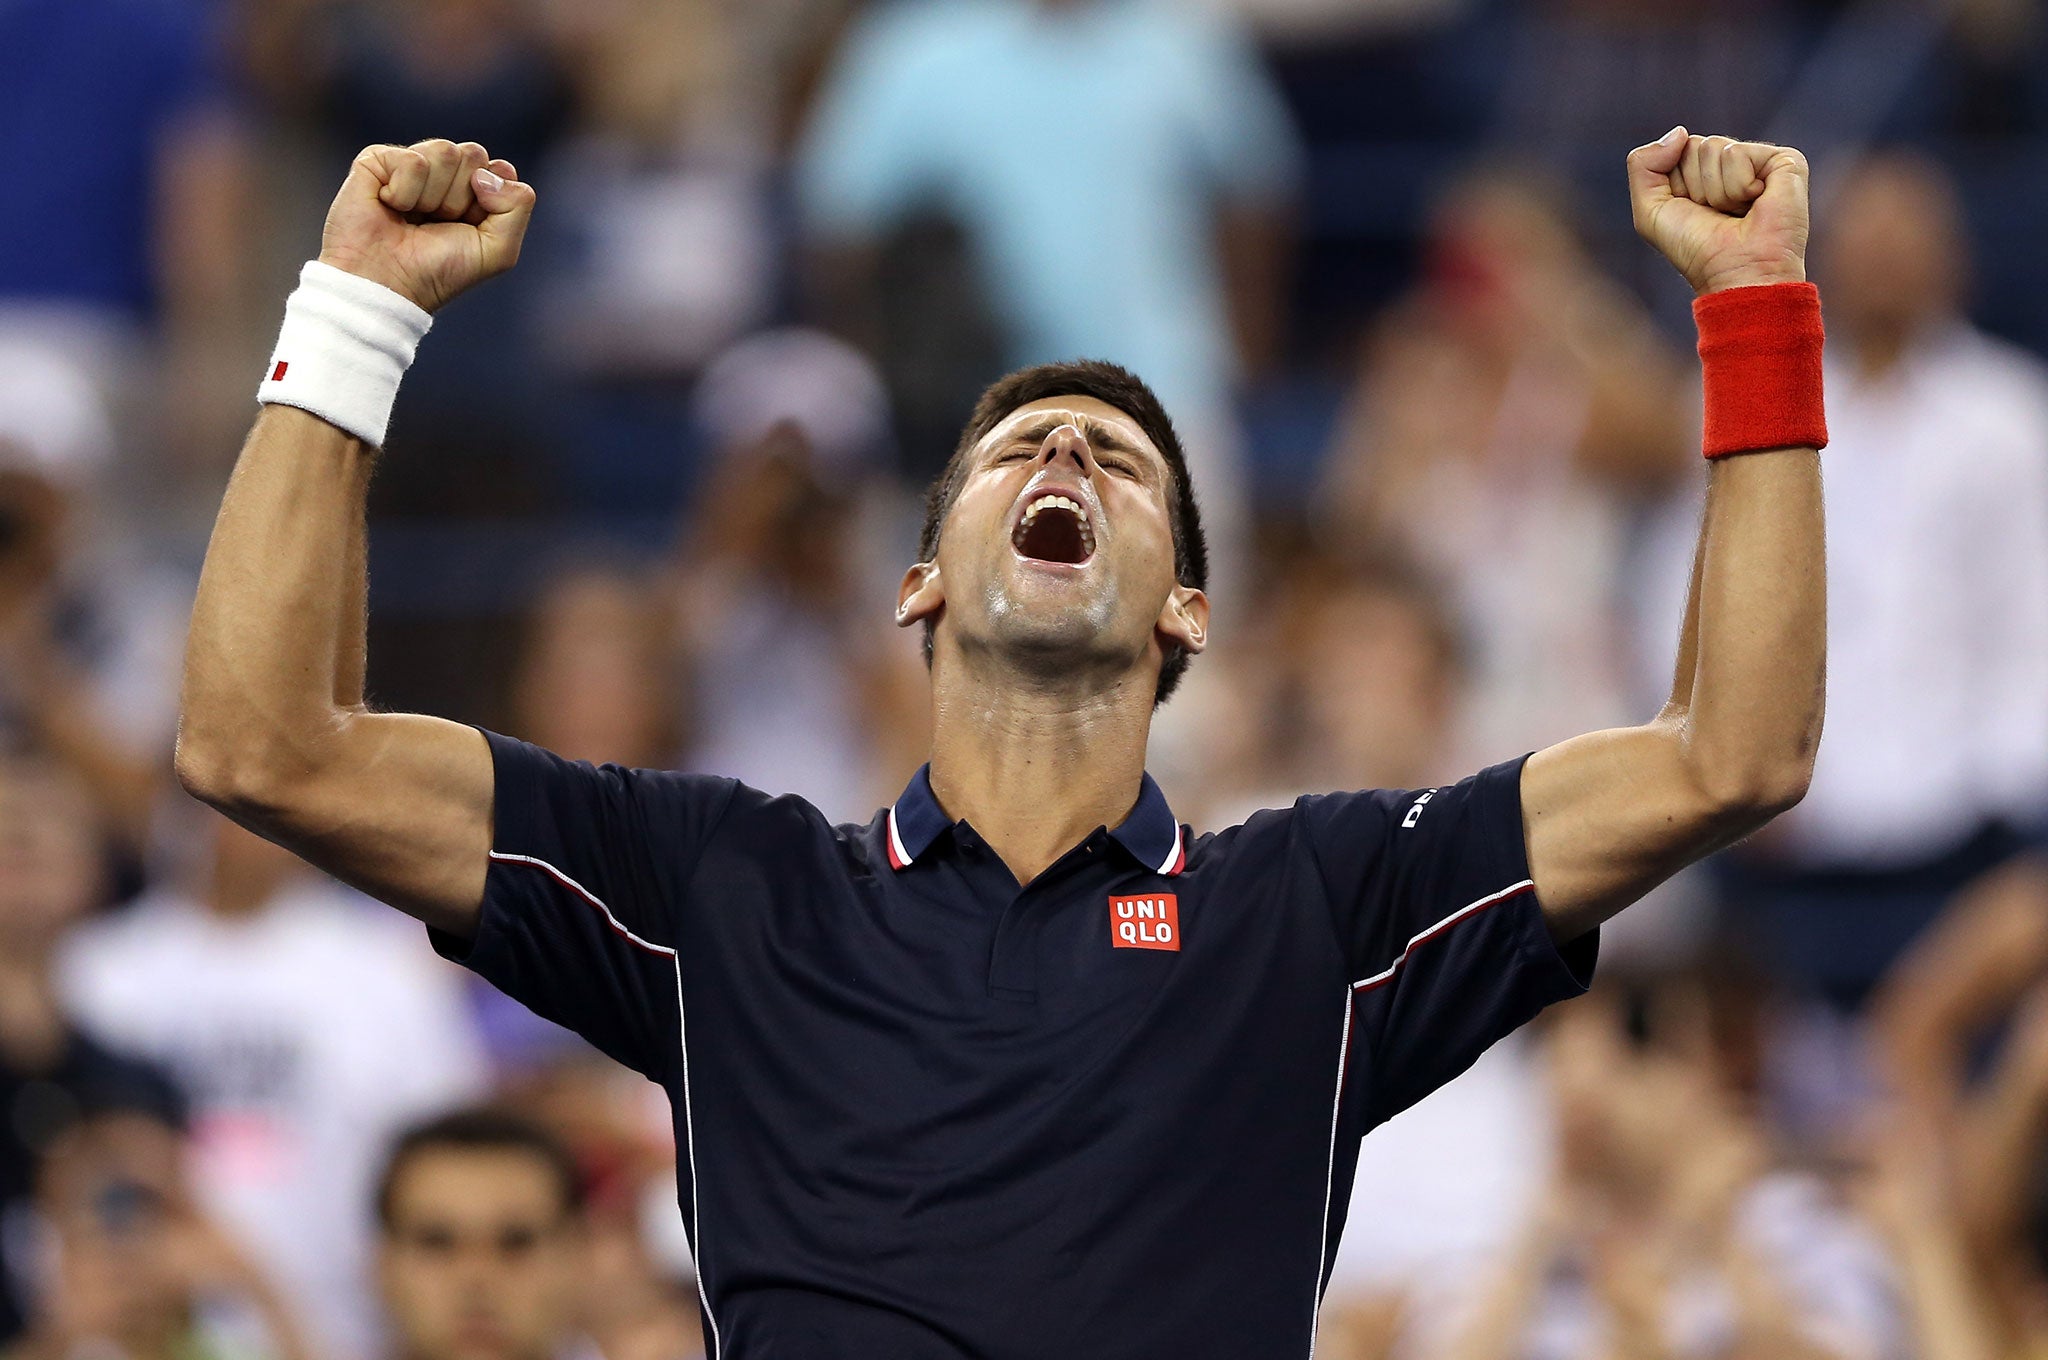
(924, 1114)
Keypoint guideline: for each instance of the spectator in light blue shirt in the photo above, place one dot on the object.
(1120, 168)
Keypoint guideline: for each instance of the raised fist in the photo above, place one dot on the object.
(1728, 214)
(427, 220)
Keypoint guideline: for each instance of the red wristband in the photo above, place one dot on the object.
(1760, 358)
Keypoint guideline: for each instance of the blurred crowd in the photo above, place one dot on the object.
(647, 498)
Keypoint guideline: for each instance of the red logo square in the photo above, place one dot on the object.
(277, 374)
(1149, 922)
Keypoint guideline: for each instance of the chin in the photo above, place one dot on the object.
(1050, 621)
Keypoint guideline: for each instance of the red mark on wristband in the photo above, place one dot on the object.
(277, 374)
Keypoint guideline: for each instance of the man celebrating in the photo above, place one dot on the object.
(1020, 1068)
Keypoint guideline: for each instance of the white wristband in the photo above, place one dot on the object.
(345, 343)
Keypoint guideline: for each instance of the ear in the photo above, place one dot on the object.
(1184, 621)
(921, 596)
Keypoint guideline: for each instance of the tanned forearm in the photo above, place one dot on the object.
(1609, 815)
(352, 648)
(274, 661)
(275, 732)
(1750, 711)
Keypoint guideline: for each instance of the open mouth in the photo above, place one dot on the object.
(1055, 528)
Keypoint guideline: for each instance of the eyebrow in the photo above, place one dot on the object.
(1097, 432)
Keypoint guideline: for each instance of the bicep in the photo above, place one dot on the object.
(1607, 817)
(400, 808)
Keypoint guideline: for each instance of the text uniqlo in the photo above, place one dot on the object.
(1145, 922)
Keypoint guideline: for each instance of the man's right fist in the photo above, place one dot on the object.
(1728, 214)
(427, 220)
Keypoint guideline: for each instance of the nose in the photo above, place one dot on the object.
(1067, 443)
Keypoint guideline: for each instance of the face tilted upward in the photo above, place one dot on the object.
(1057, 553)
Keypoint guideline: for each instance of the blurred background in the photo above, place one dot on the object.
(647, 500)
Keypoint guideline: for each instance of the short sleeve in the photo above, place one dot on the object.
(1441, 930)
(587, 865)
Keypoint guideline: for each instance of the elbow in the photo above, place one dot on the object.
(1747, 796)
(237, 777)
(216, 774)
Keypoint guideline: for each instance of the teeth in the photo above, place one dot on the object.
(1053, 499)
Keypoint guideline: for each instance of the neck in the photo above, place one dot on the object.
(1034, 766)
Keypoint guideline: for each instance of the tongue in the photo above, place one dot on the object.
(1053, 535)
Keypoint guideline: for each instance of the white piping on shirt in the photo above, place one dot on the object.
(1368, 983)
(682, 1039)
(1315, 1317)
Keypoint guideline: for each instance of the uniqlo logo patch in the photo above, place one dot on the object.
(277, 374)
(1145, 922)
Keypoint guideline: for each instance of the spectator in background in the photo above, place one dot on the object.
(1369, 684)
(1961, 1165)
(1673, 1226)
(596, 669)
(640, 1299)
(305, 1030)
(378, 72)
(52, 1073)
(1123, 171)
(674, 251)
(145, 255)
(675, 255)
(1509, 416)
(1948, 1305)
(1372, 670)
(90, 633)
(791, 689)
(133, 1268)
(674, 248)
(1937, 496)
(480, 1247)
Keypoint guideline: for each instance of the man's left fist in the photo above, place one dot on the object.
(1728, 214)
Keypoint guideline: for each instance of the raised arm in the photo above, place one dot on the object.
(274, 731)
(1610, 815)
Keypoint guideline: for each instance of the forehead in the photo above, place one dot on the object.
(472, 1184)
(1091, 414)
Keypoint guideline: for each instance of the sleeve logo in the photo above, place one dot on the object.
(1151, 922)
(1415, 809)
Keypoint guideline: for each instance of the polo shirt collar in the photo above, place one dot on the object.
(1151, 833)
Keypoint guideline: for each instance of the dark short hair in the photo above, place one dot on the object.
(478, 1130)
(1111, 385)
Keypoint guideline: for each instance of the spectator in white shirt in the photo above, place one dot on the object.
(306, 1031)
(1937, 501)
